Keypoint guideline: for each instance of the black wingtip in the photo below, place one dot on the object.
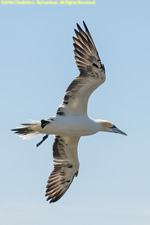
(77, 25)
(76, 32)
(49, 199)
(85, 26)
(84, 23)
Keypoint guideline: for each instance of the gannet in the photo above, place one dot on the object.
(71, 120)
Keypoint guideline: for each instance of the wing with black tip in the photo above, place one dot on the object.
(92, 75)
(66, 166)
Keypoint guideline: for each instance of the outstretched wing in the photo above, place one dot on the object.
(92, 75)
(66, 166)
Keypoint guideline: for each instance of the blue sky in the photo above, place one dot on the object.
(36, 66)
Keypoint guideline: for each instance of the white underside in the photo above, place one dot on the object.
(71, 126)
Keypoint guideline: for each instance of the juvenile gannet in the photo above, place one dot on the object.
(71, 120)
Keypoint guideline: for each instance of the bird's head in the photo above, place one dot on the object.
(110, 127)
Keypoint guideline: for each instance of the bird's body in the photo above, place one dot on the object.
(76, 125)
(71, 120)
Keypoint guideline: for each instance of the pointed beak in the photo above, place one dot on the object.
(116, 130)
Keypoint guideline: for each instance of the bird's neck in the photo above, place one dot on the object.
(103, 125)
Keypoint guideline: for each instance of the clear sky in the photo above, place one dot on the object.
(36, 66)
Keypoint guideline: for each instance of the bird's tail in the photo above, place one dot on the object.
(28, 130)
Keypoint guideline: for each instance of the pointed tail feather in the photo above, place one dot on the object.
(28, 130)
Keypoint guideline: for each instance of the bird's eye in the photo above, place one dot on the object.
(113, 126)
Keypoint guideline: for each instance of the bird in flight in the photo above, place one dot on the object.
(71, 120)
